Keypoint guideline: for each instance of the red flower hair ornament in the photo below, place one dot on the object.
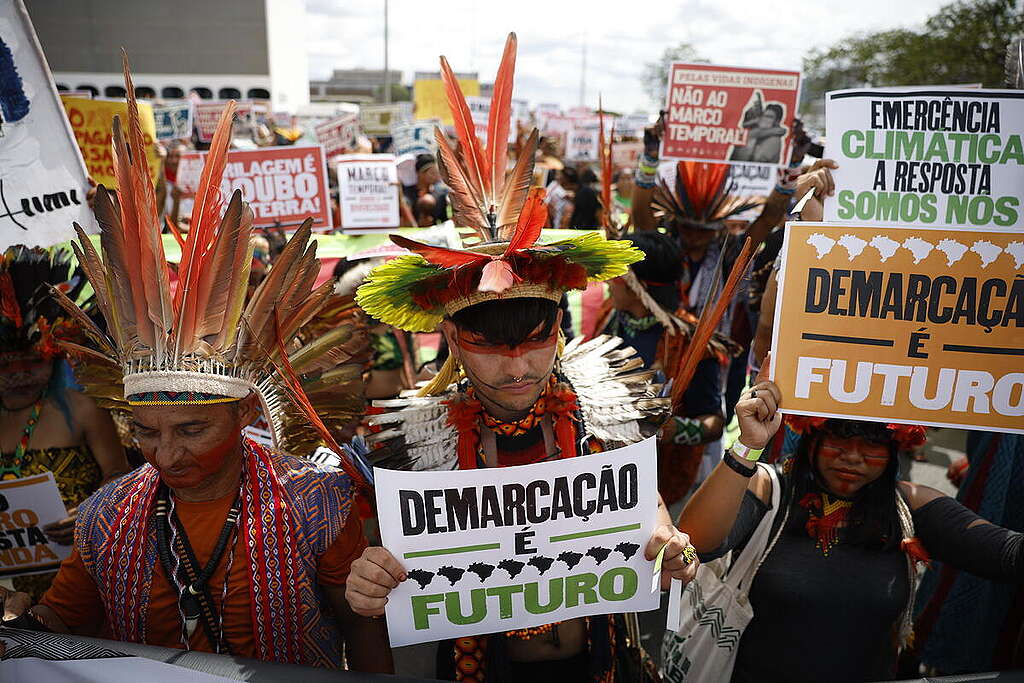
(906, 436)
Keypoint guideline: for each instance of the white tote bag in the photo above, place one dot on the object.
(708, 617)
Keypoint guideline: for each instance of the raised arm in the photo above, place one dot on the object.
(710, 514)
(641, 213)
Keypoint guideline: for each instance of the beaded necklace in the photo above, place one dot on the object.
(10, 468)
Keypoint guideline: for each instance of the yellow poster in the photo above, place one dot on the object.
(914, 325)
(430, 101)
(92, 121)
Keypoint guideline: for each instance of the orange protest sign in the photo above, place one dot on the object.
(915, 325)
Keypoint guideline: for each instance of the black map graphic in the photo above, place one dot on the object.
(570, 558)
(628, 550)
(513, 567)
(599, 554)
(541, 563)
(482, 570)
(422, 577)
(453, 574)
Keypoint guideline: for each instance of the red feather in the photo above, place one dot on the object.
(476, 164)
(531, 221)
(501, 112)
(440, 256)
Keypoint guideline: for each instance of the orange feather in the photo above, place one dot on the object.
(531, 221)
(501, 112)
(476, 164)
(706, 326)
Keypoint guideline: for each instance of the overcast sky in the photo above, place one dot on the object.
(621, 37)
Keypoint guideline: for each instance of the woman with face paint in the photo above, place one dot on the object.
(45, 425)
(833, 598)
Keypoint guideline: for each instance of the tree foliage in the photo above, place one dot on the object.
(964, 42)
(655, 74)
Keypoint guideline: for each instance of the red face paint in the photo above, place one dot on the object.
(475, 343)
(200, 466)
(848, 467)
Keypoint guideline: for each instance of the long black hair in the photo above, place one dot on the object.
(873, 521)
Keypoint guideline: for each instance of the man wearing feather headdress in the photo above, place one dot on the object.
(217, 543)
(509, 393)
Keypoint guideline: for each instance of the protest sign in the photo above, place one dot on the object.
(631, 126)
(416, 137)
(368, 192)
(26, 506)
(43, 181)
(480, 110)
(626, 154)
(338, 135)
(173, 121)
(520, 117)
(498, 549)
(430, 101)
(582, 144)
(723, 113)
(751, 181)
(93, 120)
(896, 324)
(206, 114)
(377, 119)
(927, 156)
(283, 185)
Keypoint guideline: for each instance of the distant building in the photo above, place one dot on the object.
(225, 49)
(353, 85)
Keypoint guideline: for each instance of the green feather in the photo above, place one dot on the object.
(387, 293)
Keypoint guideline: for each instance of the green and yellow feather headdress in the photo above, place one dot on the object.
(416, 291)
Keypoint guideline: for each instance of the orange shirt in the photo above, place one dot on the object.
(76, 600)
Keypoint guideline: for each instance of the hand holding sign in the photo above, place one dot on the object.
(757, 411)
(63, 531)
(370, 581)
(677, 562)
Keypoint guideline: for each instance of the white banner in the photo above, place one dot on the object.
(368, 192)
(43, 179)
(28, 504)
(499, 549)
(927, 156)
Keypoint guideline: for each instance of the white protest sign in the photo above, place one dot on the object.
(480, 110)
(338, 135)
(368, 192)
(927, 157)
(520, 117)
(173, 121)
(43, 179)
(584, 141)
(26, 506)
(498, 549)
(631, 125)
(416, 137)
(753, 181)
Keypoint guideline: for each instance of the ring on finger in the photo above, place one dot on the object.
(689, 554)
(753, 393)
